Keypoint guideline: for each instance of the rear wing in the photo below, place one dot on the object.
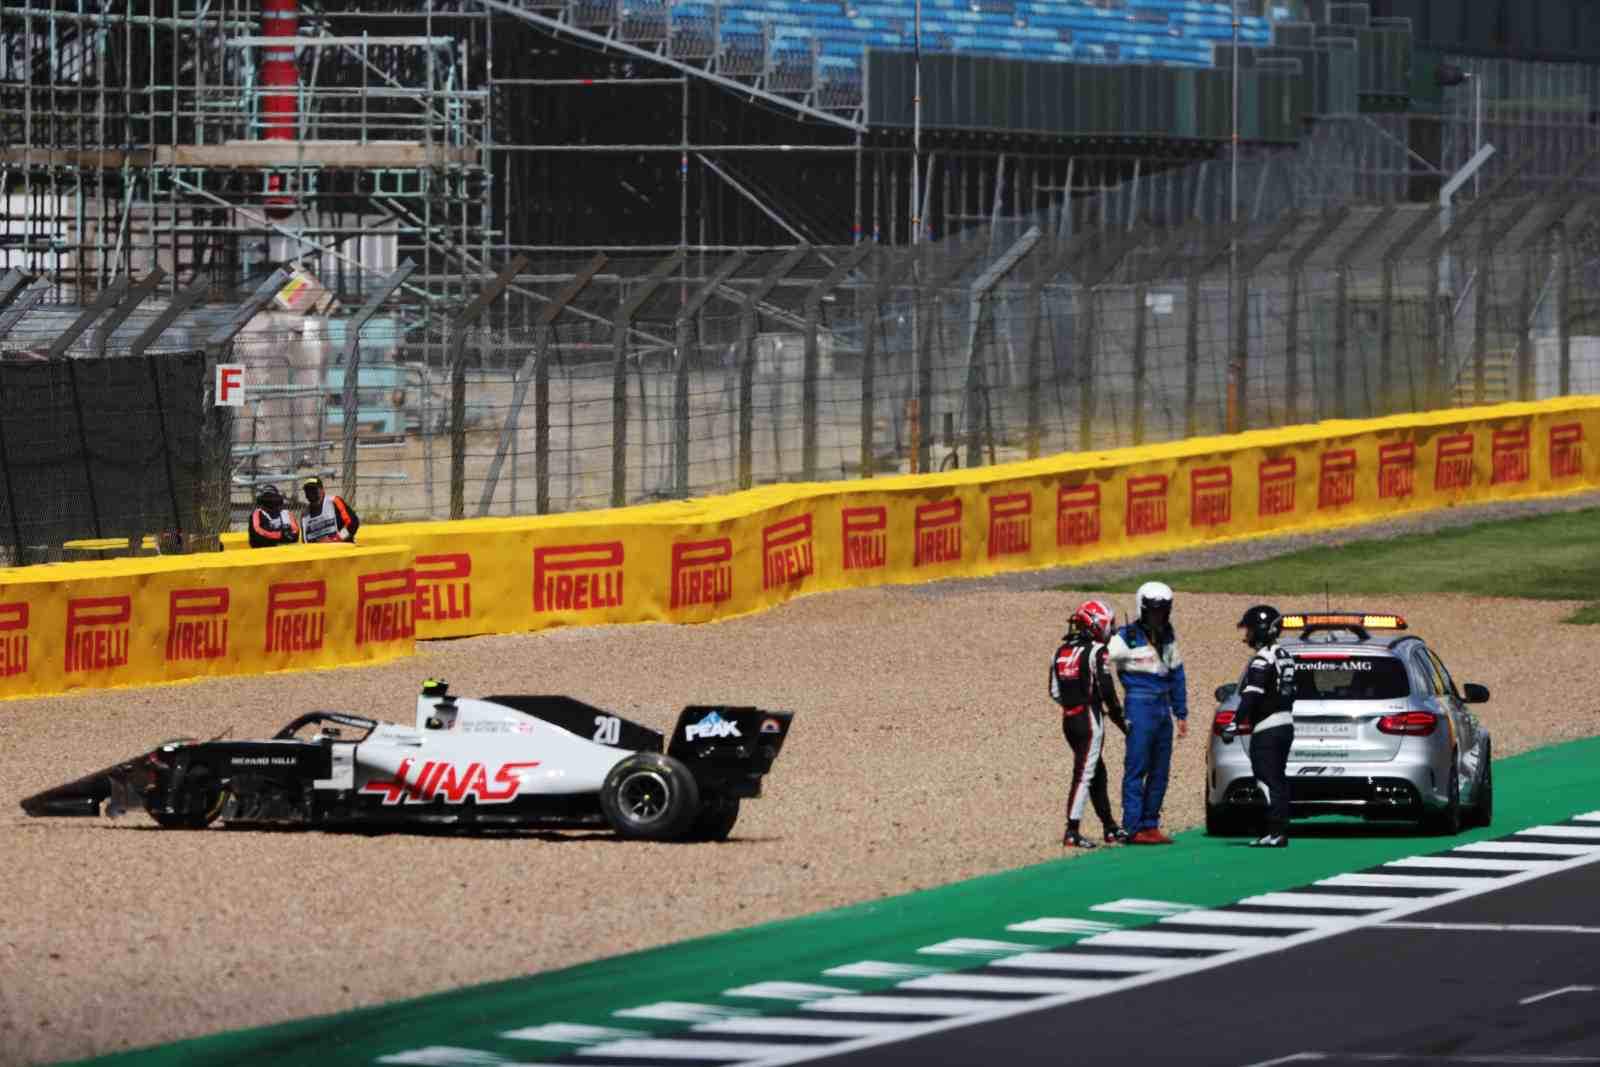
(729, 748)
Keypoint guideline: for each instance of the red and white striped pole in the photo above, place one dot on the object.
(280, 99)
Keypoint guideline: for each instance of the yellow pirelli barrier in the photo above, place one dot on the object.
(715, 558)
(96, 625)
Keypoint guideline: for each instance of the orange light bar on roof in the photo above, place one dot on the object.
(1366, 622)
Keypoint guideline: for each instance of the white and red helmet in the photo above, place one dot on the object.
(1097, 617)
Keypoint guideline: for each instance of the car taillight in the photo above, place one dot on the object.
(1409, 723)
(1225, 719)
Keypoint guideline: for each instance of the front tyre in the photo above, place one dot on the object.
(1483, 810)
(714, 822)
(650, 797)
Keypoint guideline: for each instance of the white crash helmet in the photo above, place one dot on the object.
(1153, 604)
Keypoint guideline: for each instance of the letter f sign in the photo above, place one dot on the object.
(230, 385)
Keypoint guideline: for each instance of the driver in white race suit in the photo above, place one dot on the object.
(1145, 654)
(1080, 683)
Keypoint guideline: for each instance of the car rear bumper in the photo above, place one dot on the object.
(1402, 788)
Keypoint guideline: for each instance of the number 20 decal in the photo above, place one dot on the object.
(607, 729)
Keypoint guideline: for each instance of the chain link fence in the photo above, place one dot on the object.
(596, 381)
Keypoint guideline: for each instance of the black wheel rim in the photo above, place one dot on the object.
(643, 797)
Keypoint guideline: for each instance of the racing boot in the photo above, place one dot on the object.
(1073, 839)
(1271, 841)
(1116, 836)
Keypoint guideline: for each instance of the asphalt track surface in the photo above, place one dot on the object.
(1508, 977)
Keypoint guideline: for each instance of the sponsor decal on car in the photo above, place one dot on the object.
(937, 531)
(866, 539)
(1453, 462)
(577, 577)
(1336, 485)
(263, 761)
(444, 780)
(771, 726)
(296, 620)
(1333, 665)
(1147, 505)
(1511, 458)
(1210, 496)
(1010, 525)
(1078, 515)
(197, 624)
(787, 552)
(1275, 486)
(443, 588)
(13, 639)
(1320, 770)
(713, 726)
(97, 632)
(1397, 466)
(384, 603)
(702, 572)
(1566, 450)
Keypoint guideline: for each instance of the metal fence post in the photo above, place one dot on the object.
(1341, 305)
(1297, 263)
(978, 298)
(352, 369)
(680, 385)
(108, 298)
(537, 367)
(1114, 248)
(1045, 270)
(22, 300)
(458, 380)
(890, 276)
(1155, 264)
(849, 260)
(749, 316)
(181, 302)
(1247, 264)
(956, 265)
(13, 283)
(135, 296)
(619, 374)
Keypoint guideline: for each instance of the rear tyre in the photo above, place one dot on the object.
(1447, 822)
(650, 797)
(1483, 810)
(714, 822)
(197, 807)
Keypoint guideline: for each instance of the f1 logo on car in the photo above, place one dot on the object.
(712, 726)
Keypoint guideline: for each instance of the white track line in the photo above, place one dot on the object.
(961, 982)
(1546, 848)
(1500, 928)
(1402, 881)
(785, 991)
(1152, 937)
(1073, 961)
(678, 1049)
(1471, 863)
(788, 1024)
(1242, 919)
(988, 1011)
(892, 1005)
(1557, 993)
(1329, 900)
(1584, 833)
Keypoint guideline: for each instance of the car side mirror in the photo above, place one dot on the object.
(1224, 692)
(1475, 694)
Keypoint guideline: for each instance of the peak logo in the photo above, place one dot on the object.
(1453, 462)
(1210, 496)
(938, 533)
(1511, 456)
(1336, 485)
(97, 632)
(1010, 525)
(13, 639)
(1275, 486)
(787, 552)
(1147, 505)
(577, 577)
(441, 779)
(865, 537)
(197, 624)
(1566, 450)
(1078, 515)
(1397, 470)
(296, 616)
(702, 572)
(443, 588)
(384, 603)
(712, 727)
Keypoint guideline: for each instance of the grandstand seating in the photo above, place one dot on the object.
(826, 41)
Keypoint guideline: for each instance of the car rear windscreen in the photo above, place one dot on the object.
(1324, 676)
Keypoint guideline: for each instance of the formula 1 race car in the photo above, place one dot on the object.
(502, 762)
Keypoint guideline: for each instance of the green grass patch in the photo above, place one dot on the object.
(1541, 557)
